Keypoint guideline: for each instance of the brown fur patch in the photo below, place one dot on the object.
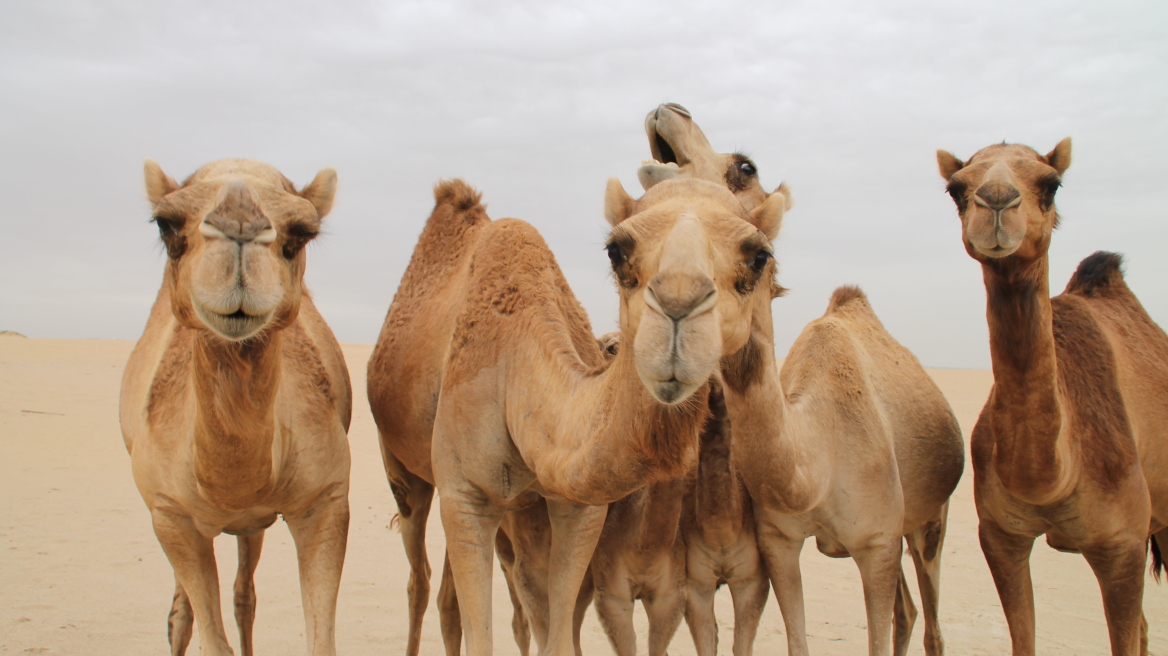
(1100, 273)
(1090, 390)
(742, 369)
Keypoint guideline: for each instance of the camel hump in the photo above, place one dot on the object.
(458, 194)
(847, 297)
(1099, 274)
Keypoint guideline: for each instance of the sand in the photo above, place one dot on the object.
(81, 571)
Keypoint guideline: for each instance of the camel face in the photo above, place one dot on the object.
(680, 150)
(1005, 197)
(688, 258)
(235, 233)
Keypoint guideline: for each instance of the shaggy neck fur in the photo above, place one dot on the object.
(235, 390)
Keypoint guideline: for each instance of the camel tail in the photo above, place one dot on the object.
(1099, 274)
(1157, 558)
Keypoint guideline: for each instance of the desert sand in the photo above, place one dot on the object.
(81, 571)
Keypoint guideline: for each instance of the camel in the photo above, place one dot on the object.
(674, 542)
(853, 443)
(1071, 441)
(235, 402)
(487, 362)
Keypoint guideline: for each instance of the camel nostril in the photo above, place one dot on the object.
(678, 109)
(997, 197)
(677, 297)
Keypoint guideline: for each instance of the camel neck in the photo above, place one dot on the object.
(779, 470)
(606, 436)
(718, 502)
(235, 391)
(1024, 408)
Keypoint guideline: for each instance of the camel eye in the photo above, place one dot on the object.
(956, 191)
(760, 261)
(747, 169)
(166, 227)
(615, 255)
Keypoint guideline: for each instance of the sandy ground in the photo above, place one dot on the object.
(81, 571)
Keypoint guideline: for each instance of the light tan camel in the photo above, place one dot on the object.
(851, 442)
(674, 542)
(235, 402)
(493, 358)
(1071, 442)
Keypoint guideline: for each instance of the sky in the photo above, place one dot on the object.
(537, 104)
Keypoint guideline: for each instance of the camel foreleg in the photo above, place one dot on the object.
(470, 522)
(575, 530)
(699, 612)
(781, 555)
(1008, 557)
(192, 555)
(321, 535)
(750, 596)
(614, 609)
(665, 608)
(1119, 568)
(879, 566)
(245, 596)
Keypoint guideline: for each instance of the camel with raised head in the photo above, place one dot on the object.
(853, 443)
(496, 370)
(235, 402)
(1071, 441)
(673, 543)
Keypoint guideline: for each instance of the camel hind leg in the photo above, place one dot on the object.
(904, 614)
(519, 627)
(449, 616)
(245, 596)
(413, 496)
(925, 544)
(180, 624)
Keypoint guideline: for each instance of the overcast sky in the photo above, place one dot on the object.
(538, 103)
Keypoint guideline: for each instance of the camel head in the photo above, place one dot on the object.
(680, 150)
(689, 259)
(1005, 197)
(235, 233)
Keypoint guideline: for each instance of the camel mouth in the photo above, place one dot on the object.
(667, 156)
(236, 326)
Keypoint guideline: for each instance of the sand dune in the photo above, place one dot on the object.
(81, 571)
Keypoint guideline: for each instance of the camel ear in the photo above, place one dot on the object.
(768, 217)
(947, 164)
(618, 205)
(1060, 157)
(321, 191)
(158, 184)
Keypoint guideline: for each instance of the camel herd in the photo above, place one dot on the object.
(656, 463)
